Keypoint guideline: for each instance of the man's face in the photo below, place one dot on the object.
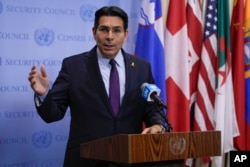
(110, 35)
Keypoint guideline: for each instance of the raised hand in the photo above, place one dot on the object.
(39, 80)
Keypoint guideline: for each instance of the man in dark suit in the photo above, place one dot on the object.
(83, 85)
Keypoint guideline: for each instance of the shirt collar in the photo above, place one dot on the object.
(105, 61)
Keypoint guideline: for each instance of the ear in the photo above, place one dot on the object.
(94, 32)
(125, 35)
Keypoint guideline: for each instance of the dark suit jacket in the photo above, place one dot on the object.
(79, 86)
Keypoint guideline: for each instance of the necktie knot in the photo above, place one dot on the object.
(112, 63)
(114, 87)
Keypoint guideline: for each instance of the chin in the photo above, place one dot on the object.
(109, 54)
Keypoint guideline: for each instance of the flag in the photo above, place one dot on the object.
(150, 41)
(225, 118)
(177, 74)
(247, 74)
(238, 69)
(194, 26)
(214, 109)
(204, 107)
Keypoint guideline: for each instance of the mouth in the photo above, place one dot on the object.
(108, 46)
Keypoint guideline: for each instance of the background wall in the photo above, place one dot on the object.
(36, 32)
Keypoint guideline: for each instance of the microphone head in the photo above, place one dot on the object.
(143, 85)
(148, 90)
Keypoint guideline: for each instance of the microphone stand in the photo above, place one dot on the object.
(160, 108)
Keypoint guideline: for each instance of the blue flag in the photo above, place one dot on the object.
(150, 41)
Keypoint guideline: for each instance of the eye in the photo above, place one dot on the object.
(103, 29)
(117, 30)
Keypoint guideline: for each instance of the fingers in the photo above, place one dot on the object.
(146, 131)
(39, 80)
(36, 76)
(43, 71)
(32, 76)
(32, 73)
(33, 68)
(152, 130)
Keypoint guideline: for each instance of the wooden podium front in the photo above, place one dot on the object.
(153, 148)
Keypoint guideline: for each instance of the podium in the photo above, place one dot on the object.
(165, 149)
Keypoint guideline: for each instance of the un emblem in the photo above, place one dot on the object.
(42, 139)
(44, 36)
(177, 145)
(87, 12)
(1, 7)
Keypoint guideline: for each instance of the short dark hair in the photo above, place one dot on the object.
(111, 11)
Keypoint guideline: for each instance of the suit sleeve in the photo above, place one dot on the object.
(55, 104)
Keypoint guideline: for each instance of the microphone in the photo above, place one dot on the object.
(150, 92)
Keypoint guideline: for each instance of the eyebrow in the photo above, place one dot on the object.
(110, 27)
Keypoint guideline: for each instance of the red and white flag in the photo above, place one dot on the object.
(177, 63)
(194, 26)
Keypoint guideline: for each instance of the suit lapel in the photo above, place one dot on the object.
(129, 70)
(96, 75)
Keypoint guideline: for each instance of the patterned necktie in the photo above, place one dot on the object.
(114, 87)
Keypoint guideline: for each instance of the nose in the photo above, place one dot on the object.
(110, 34)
